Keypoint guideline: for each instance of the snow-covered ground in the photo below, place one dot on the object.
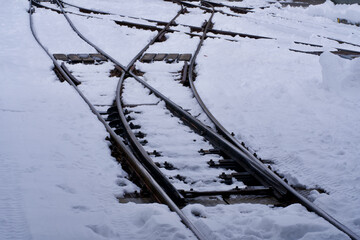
(58, 180)
(301, 111)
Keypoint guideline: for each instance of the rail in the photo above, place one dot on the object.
(150, 182)
(249, 162)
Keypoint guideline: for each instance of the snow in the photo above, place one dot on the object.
(159, 73)
(259, 222)
(333, 12)
(194, 17)
(134, 8)
(120, 42)
(96, 83)
(301, 111)
(177, 144)
(46, 21)
(59, 181)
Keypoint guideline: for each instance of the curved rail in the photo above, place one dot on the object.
(142, 154)
(222, 130)
(150, 182)
(169, 188)
(193, 28)
(246, 159)
(107, 13)
(166, 28)
(264, 175)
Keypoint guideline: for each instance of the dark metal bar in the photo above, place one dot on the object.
(133, 161)
(184, 73)
(258, 170)
(240, 191)
(254, 166)
(143, 155)
(73, 79)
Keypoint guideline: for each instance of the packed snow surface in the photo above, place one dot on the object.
(299, 110)
(58, 179)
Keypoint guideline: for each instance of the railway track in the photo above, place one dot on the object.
(195, 31)
(227, 171)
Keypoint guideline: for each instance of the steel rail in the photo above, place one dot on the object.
(177, 108)
(207, 9)
(150, 182)
(163, 181)
(232, 8)
(253, 167)
(146, 159)
(187, 4)
(261, 173)
(116, 138)
(122, 23)
(99, 49)
(107, 13)
(305, 202)
(192, 28)
(144, 156)
(244, 157)
(222, 130)
(247, 161)
(216, 139)
(166, 28)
